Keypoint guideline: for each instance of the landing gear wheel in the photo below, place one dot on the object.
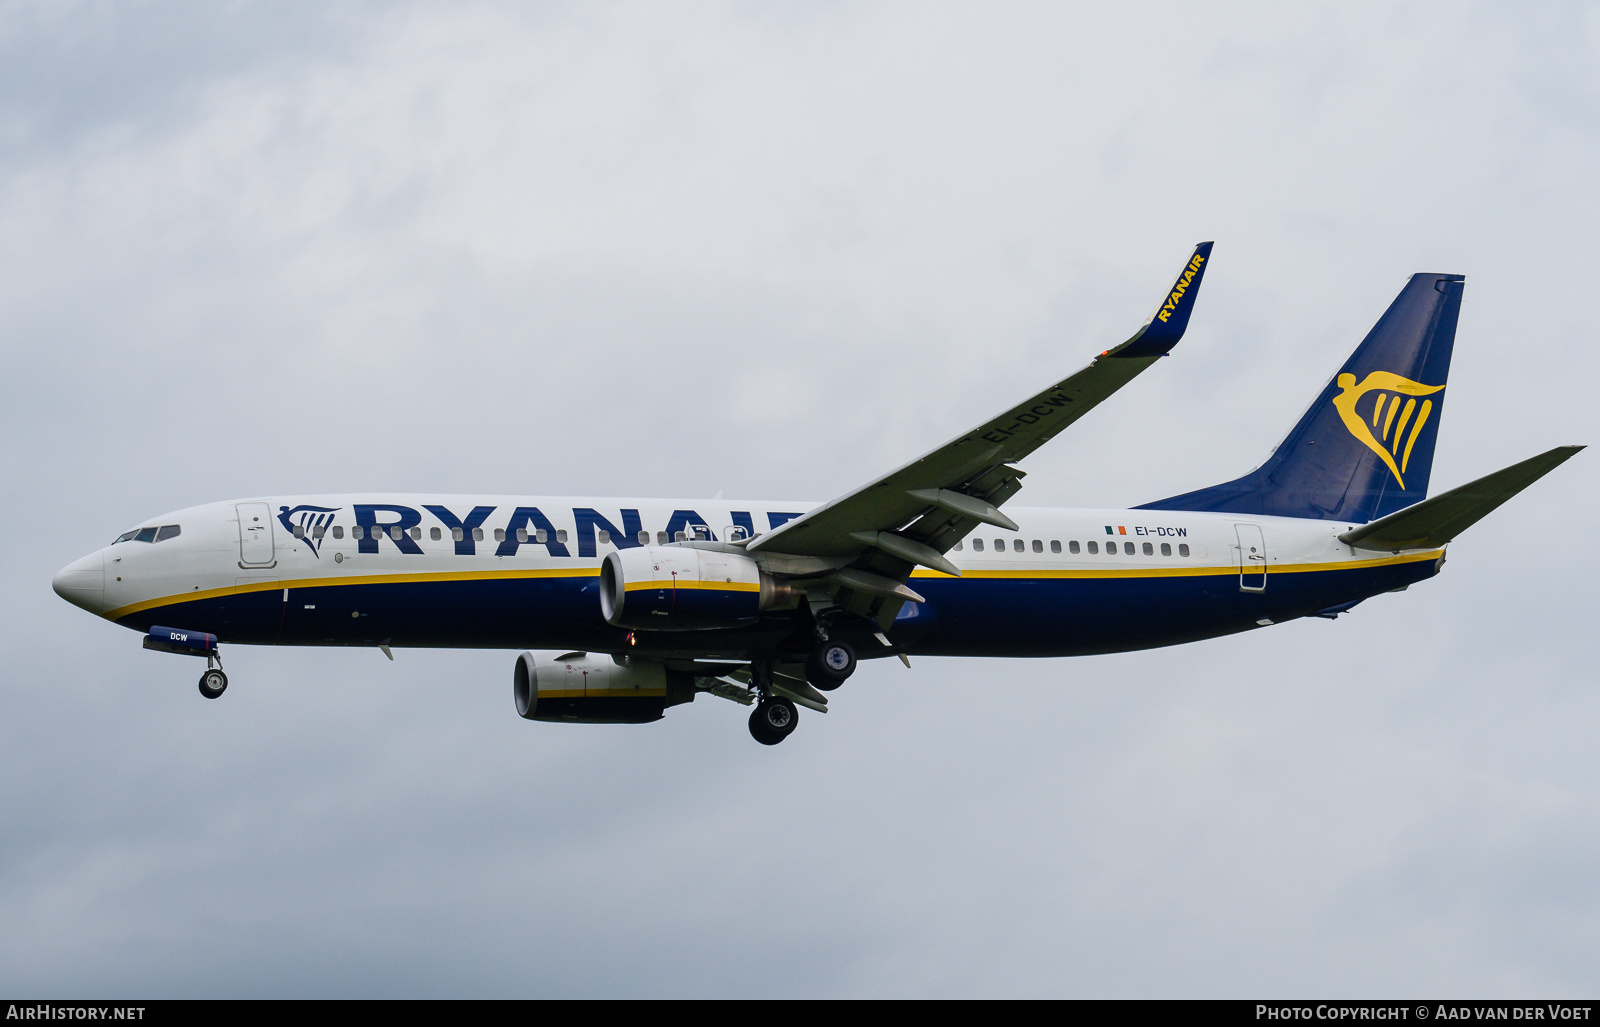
(829, 664)
(213, 683)
(773, 720)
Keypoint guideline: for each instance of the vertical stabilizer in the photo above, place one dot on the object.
(1365, 448)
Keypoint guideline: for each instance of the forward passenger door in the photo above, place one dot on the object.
(255, 534)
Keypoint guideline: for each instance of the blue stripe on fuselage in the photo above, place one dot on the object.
(970, 616)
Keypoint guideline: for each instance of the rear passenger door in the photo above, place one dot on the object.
(1252, 558)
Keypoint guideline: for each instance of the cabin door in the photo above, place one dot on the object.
(255, 534)
(1252, 558)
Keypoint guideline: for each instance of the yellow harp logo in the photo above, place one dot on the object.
(1395, 396)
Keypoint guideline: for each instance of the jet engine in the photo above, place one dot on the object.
(673, 588)
(593, 688)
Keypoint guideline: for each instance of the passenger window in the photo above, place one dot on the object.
(680, 537)
(457, 535)
(734, 533)
(561, 534)
(1018, 545)
(1094, 547)
(644, 538)
(539, 536)
(358, 532)
(338, 531)
(1149, 550)
(1072, 547)
(298, 531)
(1038, 547)
(395, 532)
(416, 534)
(1127, 547)
(977, 545)
(316, 532)
(1166, 549)
(168, 531)
(477, 535)
(145, 535)
(433, 533)
(1183, 549)
(999, 545)
(603, 536)
(957, 547)
(661, 538)
(499, 534)
(522, 534)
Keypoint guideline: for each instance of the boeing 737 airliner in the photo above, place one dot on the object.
(651, 603)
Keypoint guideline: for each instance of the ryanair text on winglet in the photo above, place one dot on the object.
(1182, 287)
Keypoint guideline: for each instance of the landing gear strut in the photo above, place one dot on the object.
(773, 720)
(213, 683)
(829, 664)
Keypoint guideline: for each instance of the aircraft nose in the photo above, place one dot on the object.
(83, 582)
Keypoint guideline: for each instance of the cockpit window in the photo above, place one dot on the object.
(160, 534)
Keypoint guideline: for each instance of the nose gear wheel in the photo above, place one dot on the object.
(213, 683)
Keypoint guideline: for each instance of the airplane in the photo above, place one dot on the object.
(627, 607)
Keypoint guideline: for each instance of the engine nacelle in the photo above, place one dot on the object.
(677, 588)
(593, 688)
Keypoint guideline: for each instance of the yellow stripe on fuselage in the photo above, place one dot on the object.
(364, 579)
(1183, 572)
(715, 586)
(590, 572)
(603, 693)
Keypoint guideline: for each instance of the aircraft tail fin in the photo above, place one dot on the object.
(1365, 447)
(1433, 522)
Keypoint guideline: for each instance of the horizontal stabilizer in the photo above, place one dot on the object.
(1433, 522)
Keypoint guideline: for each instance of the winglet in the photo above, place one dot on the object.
(1167, 324)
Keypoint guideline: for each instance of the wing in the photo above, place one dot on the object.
(913, 515)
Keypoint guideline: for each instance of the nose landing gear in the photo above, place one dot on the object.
(213, 683)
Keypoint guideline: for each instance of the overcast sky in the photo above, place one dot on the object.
(773, 250)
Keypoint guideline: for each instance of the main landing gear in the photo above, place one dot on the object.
(829, 664)
(773, 720)
(826, 668)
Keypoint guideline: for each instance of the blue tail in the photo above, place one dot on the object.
(1365, 447)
